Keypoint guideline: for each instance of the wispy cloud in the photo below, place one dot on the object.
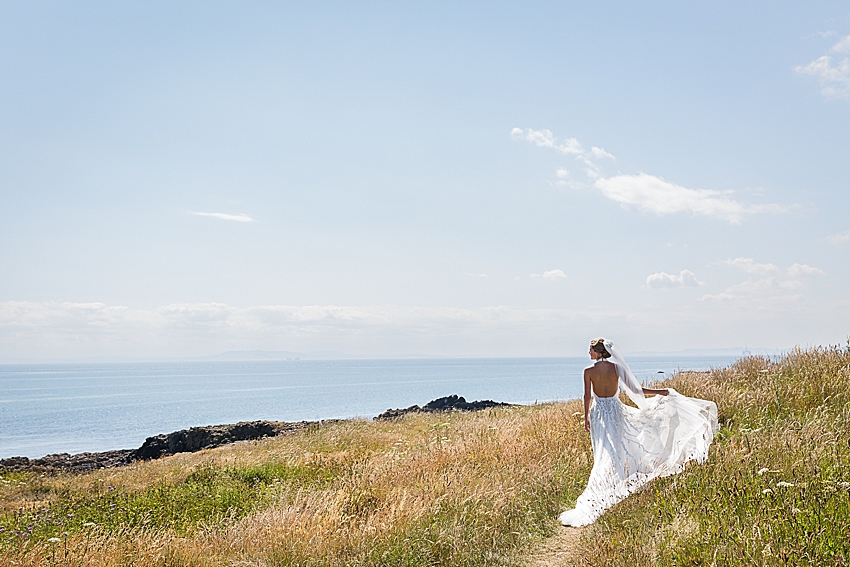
(546, 139)
(39, 330)
(750, 266)
(840, 238)
(686, 278)
(767, 283)
(550, 275)
(833, 75)
(654, 194)
(241, 217)
(800, 270)
(55, 330)
(647, 192)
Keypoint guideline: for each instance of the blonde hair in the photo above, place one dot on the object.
(598, 346)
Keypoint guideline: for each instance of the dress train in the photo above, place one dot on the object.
(633, 446)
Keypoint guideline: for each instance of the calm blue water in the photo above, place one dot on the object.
(71, 408)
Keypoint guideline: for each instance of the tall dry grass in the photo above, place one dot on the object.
(449, 489)
(469, 489)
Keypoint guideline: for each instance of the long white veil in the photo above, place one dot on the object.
(628, 381)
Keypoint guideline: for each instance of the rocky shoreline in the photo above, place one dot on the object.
(449, 403)
(183, 441)
(208, 437)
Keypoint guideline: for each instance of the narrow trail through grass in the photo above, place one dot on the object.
(561, 550)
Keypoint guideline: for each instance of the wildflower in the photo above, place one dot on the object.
(795, 511)
(783, 484)
(767, 491)
(844, 484)
(53, 540)
(762, 471)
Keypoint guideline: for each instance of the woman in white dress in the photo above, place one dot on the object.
(632, 446)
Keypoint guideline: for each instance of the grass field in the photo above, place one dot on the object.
(469, 489)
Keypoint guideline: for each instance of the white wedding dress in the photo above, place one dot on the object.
(632, 446)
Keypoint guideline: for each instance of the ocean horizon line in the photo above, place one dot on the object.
(247, 355)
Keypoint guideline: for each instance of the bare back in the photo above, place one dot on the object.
(603, 378)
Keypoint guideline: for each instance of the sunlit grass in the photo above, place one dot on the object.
(447, 489)
(776, 488)
(468, 489)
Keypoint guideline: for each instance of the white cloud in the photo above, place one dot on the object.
(766, 286)
(840, 238)
(685, 278)
(31, 331)
(798, 270)
(653, 194)
(717, 297)
(550, 275)
(843, 46)
(759, 292)
(761, 286)
(599, 153)
(224, 216)
(545, 139)
(648, 192)
(750, 266)
(834, 77)
(45, 330)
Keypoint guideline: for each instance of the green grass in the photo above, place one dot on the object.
(209, 496)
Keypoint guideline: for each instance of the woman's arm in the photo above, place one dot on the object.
(587, 399)
(653, 392)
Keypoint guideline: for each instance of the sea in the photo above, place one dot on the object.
(80, 407)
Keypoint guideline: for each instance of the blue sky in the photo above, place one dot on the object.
(385, 179)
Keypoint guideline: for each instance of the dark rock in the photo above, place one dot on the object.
(80, 462)
(448, 403)
(184, 441)
(197, 438)
(396, 413)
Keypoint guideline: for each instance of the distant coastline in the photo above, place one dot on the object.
(284, 355)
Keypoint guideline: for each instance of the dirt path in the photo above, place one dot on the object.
(560, 550)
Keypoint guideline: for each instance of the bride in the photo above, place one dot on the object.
(632, 446)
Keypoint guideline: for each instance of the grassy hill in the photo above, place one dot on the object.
(469, 489)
